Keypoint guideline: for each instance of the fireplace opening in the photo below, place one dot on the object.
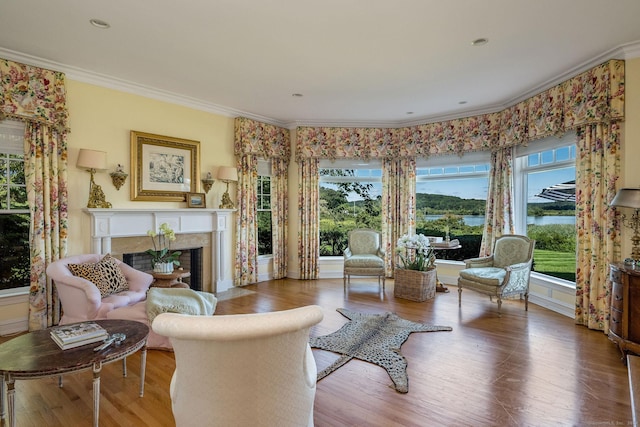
(190, 259)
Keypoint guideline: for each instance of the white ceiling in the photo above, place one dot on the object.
(356, 62)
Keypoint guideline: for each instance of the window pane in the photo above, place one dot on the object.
(533, 160)
(16, 171)
(455, 208)
(265, 242)
(14, 250)
(552, 223)
(563, 154)
(3, 171)
(349, 198)
(18, 197)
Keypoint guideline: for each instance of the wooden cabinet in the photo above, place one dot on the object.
(624, 327)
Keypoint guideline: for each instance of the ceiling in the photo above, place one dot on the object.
(355, 62)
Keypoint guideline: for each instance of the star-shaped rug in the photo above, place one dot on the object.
(374, 338)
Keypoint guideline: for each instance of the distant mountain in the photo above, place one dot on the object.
(439, 204)
(442, 203)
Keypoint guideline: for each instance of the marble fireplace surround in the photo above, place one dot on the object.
(119, 231)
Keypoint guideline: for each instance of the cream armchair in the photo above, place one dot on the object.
(364, 256)
(242, 370)
(503, 274)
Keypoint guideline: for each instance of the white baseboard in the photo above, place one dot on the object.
(14, 326)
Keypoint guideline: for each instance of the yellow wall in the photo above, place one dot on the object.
(101, 119)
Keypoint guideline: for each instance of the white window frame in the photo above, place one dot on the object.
(264, 169)
(12, 142)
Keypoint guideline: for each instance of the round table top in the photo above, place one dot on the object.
(36, 354)
(176, 274)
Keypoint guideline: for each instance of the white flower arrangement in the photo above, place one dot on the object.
(415, 252)
(161, 252)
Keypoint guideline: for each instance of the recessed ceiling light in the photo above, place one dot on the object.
(462, 102)
(480, 42)
(98, 23)
(409, 112)
(297, 95)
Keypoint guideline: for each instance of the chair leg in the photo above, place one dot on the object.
(459, 297)
(344, 280)
(499, 306)
(383, 283)
(526, 301)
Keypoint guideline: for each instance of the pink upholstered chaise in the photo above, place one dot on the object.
(81, 299)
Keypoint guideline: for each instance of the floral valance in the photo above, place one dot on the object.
(33, 94)
(594, 96)
(262, 139)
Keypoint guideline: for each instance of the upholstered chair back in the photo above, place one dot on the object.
(242, 370)
(512, 249)
(364, 241)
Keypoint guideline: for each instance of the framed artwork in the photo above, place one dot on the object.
(196, 200)
(163, 168)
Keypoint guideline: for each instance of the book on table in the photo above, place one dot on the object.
(78, 334)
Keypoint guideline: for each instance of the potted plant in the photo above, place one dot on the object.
(415, 277)
(162, 257)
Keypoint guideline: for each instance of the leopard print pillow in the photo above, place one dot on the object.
(105, 274)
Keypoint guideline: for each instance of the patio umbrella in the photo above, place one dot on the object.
(565, 192)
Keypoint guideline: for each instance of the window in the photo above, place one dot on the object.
(451, 194)
(265, 238)
(545, 176)
(14, 209)
(350, 195)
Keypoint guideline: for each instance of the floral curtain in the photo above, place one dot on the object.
(46, 176)
(246, 265)
(595, 96)
(255, 139)
(279, 216)
(598, 237)
(398, 204)
(309, 227)
(499, 208)
(38, 97)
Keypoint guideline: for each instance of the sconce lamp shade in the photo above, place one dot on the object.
(227, 174)
(628, 198)
(92, 159)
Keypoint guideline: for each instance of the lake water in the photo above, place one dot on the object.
(535, 220)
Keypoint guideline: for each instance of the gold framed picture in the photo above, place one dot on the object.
(196, 200)
(163, 168)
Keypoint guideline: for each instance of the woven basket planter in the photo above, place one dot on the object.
(414, 285)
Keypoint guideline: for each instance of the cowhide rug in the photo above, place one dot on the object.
(374, 338)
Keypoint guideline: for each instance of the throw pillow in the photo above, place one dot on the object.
(105, 274)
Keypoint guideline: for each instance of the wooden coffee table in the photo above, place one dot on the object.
(35, 355)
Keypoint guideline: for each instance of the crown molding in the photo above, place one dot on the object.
(103, 80)
(625, 51)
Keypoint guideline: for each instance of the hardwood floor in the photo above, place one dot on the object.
(531, 368)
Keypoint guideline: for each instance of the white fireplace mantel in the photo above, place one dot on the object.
(112, 223)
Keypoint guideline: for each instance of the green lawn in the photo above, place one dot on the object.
(557, 264)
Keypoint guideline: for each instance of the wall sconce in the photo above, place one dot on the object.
(630, 198)
(118, 177)
(227, 174)
(207, 183)
(92, 161)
